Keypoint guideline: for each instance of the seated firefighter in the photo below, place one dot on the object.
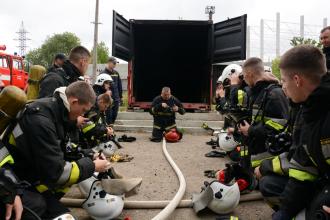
(163, 109)
(96, 128)
(40, 141)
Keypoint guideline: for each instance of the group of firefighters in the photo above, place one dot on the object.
(280, 129)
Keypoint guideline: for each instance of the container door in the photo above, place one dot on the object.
(229, 40)
(121, 42)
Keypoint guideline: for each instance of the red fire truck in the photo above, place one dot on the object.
(12, 70)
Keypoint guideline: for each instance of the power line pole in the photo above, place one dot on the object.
(96, 30)
(22, 39)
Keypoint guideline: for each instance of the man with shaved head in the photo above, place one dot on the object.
(163, 109)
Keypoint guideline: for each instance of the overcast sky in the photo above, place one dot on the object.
(43, 18)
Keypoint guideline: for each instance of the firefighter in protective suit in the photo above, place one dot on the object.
(40, 144)
(305, 81)
(96, 128)
(269, 107)
(163, 109)
(273, 173)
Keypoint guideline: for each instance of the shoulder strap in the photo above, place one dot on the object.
(264, 100)
(315, 148)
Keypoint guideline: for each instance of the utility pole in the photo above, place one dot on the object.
(210, 10)
(22, 39)
(96, 30)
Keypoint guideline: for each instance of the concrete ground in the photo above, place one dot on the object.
(160, 181)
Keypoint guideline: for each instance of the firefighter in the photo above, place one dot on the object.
(269, 107)
(40, 144)
(70, 72)
(59, 60)
(103, 84)
(325, 41)
(303, 72)
(97, 128)
(163, 109)
(10, 199)
(273, 174)
(116, 89)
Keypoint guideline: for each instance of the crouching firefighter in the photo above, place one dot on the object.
(306, 194)
(237, 108)
(269, 107)
(163, 109)
(273, 174)
(38, 142)
(96, 128)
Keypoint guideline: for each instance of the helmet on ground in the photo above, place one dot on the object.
(108, 148)
(86, 185)
(225, 198)
(101, 205)
(103, 77)
(218, 197)
(228, 71)
(173, 135)
(64, 217)
(226, 141)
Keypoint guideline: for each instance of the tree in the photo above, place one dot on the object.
(300, 40)
(102, 53)
(276, 68)
(58, 43)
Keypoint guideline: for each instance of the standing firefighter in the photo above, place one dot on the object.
(325, 41)
(70, 72)
(163, 109)
(116, 89)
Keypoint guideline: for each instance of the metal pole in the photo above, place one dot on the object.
(248, 43)
(278, 29)
(302, 26)
(325, 22)
(262, 39)
(96, 23)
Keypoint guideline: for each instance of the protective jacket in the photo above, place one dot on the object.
(58, 78)
(269, 107)
(164, 118)
(41, 146)
(314, 150)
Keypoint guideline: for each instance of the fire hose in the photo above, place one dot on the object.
(167, 206)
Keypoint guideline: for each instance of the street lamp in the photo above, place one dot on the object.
(210, 10)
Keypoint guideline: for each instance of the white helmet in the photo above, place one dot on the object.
(101, 205)
(228, 71)
(226, 141)
(86, 185)
(64, 217)
(225, 198)
(108, 148)
(218, 197)
(103, 77)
